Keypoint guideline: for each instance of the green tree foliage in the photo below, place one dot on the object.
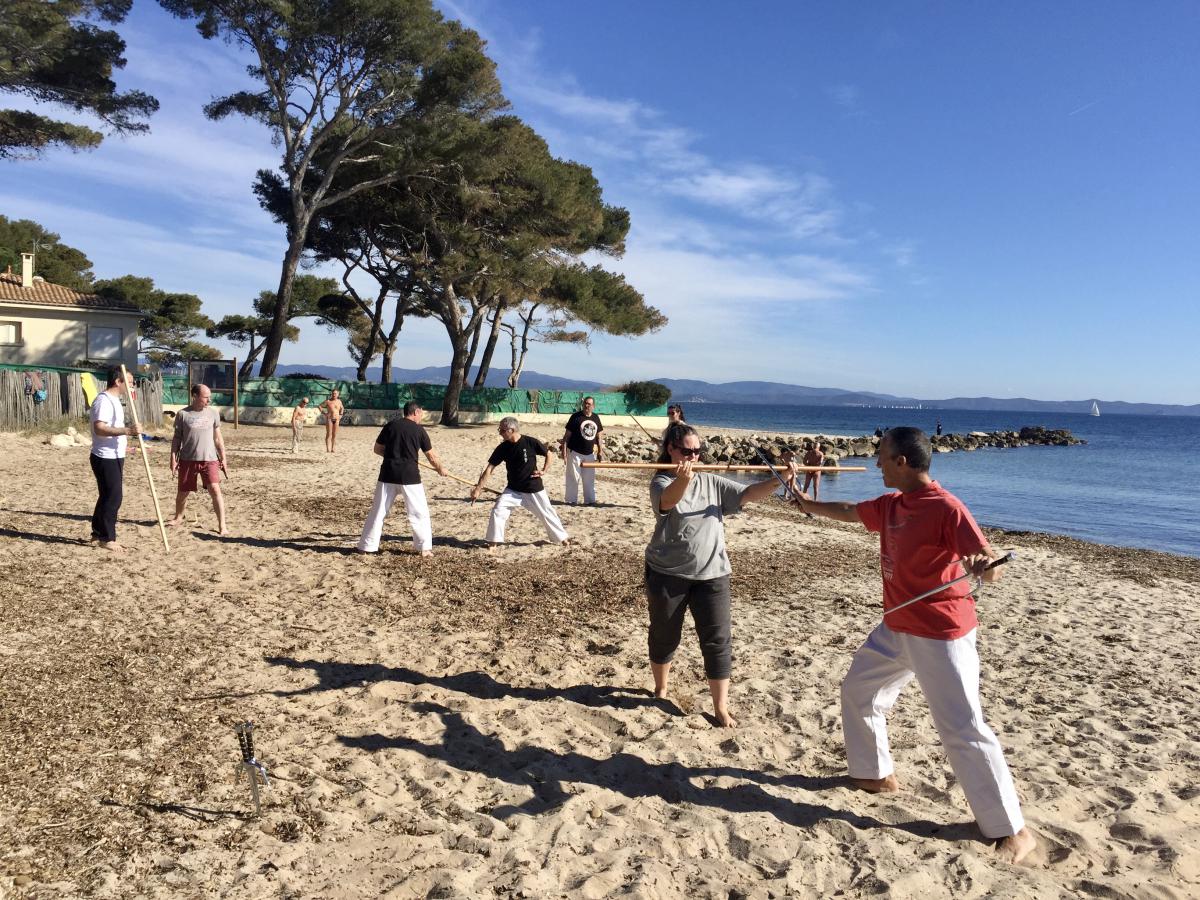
(348, 82)
(644, 394)
(54, 52)
(53, 260)
(169, 320)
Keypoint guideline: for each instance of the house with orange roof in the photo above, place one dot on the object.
(44, 324)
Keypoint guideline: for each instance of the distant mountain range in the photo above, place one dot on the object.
(768, 392)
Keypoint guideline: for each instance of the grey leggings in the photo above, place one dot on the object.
(669, 597)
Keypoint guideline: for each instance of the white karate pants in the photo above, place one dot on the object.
(414, 504)
(575, 472)
(948, 673)
(537, 503)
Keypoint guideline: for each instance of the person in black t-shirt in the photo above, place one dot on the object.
(401, 443)
(582, 442)
(519, 454)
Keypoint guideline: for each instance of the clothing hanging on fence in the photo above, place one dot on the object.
(39, 387)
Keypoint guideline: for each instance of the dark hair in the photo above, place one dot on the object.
(678, 409)
(113, 375)
(196, 389)
(673, 437)
(911, 443)
(411, 407)
(586, 399)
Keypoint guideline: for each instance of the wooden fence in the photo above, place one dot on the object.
(64, 398)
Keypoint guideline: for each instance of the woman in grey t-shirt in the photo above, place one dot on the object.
(686, 563)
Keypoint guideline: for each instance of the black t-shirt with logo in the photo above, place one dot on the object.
(584, 430)
(520, 456)
(403, 440)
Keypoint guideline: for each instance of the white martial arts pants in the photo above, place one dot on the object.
(537, 503)
(948, 673)
(414, 504)
(575, 472)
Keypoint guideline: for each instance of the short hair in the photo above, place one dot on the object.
(673, 437)
(113, 375)
(911, 443)
(411, 407)
(196, 388)
(586, 399)
(510, 422)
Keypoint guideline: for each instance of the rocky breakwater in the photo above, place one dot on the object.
(740, 448)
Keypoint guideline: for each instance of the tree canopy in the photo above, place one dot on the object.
(53, 52)
(349, 82)
(55, 261)
(169, 320)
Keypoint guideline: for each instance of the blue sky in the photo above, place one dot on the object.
(929, 199)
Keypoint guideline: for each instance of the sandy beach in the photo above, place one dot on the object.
(476, 725)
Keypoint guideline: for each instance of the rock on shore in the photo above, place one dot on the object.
(740, 448)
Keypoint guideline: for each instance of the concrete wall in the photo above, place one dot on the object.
(55, 336)
(280, 415)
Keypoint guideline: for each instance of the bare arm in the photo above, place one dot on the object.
(674, 491)
(841, 511)
(760, 490)
(977, 565)
(219, 442)
(600, 445)
(378, 449)
(432, 456)
(484, 476)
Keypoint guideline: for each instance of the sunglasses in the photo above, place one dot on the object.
(690, 451)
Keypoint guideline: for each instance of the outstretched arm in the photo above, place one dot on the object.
(484, 476)
(841, 511)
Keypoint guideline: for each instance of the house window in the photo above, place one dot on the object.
(10, 332)
(103, 343)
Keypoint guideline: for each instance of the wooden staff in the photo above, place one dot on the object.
(162, 527)
(456, 478)
(721, 467)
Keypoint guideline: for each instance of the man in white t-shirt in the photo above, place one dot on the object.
(109, 437)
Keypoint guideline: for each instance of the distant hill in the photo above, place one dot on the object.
(769, 392)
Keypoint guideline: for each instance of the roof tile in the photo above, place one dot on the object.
(43, 292)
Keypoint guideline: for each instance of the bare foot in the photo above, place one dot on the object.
(223, 532)
(888, 785)
(174, 523)
(660, 695)
(1016, 847)
(724, 719)
(425, 554)
(112, 546)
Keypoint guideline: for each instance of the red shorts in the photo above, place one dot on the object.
(210, 471)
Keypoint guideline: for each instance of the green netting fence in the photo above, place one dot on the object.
(287, 392)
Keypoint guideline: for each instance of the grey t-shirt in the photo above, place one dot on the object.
(194, 432)
(689, 538)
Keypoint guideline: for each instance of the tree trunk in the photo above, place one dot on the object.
(247, 366)
(283, 300)
(389, 345)
(475, 332)
(454, 388)
(490, 348)
(376, 323)
(519, 354)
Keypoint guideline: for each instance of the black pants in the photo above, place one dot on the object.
(109, 480)
(669, 598)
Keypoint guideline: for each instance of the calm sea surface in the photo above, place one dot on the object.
(1136, 483)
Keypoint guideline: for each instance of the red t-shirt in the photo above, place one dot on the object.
(922, 534)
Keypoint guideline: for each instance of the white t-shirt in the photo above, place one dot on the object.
(107, 409)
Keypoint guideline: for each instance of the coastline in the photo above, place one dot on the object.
(480, 725)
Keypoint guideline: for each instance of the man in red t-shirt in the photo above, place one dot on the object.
(926, 538)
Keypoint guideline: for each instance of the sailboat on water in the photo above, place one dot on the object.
(1095, 408)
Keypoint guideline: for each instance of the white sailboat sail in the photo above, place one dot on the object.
(1095, 408)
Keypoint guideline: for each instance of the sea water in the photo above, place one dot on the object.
(1136, 483)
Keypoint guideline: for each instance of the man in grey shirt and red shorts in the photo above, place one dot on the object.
(198, 453)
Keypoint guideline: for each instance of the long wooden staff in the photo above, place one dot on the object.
(720, 467)
(656, 440)
(162, 527)
(456, 478)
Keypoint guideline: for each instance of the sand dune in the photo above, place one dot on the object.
(478, 726)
